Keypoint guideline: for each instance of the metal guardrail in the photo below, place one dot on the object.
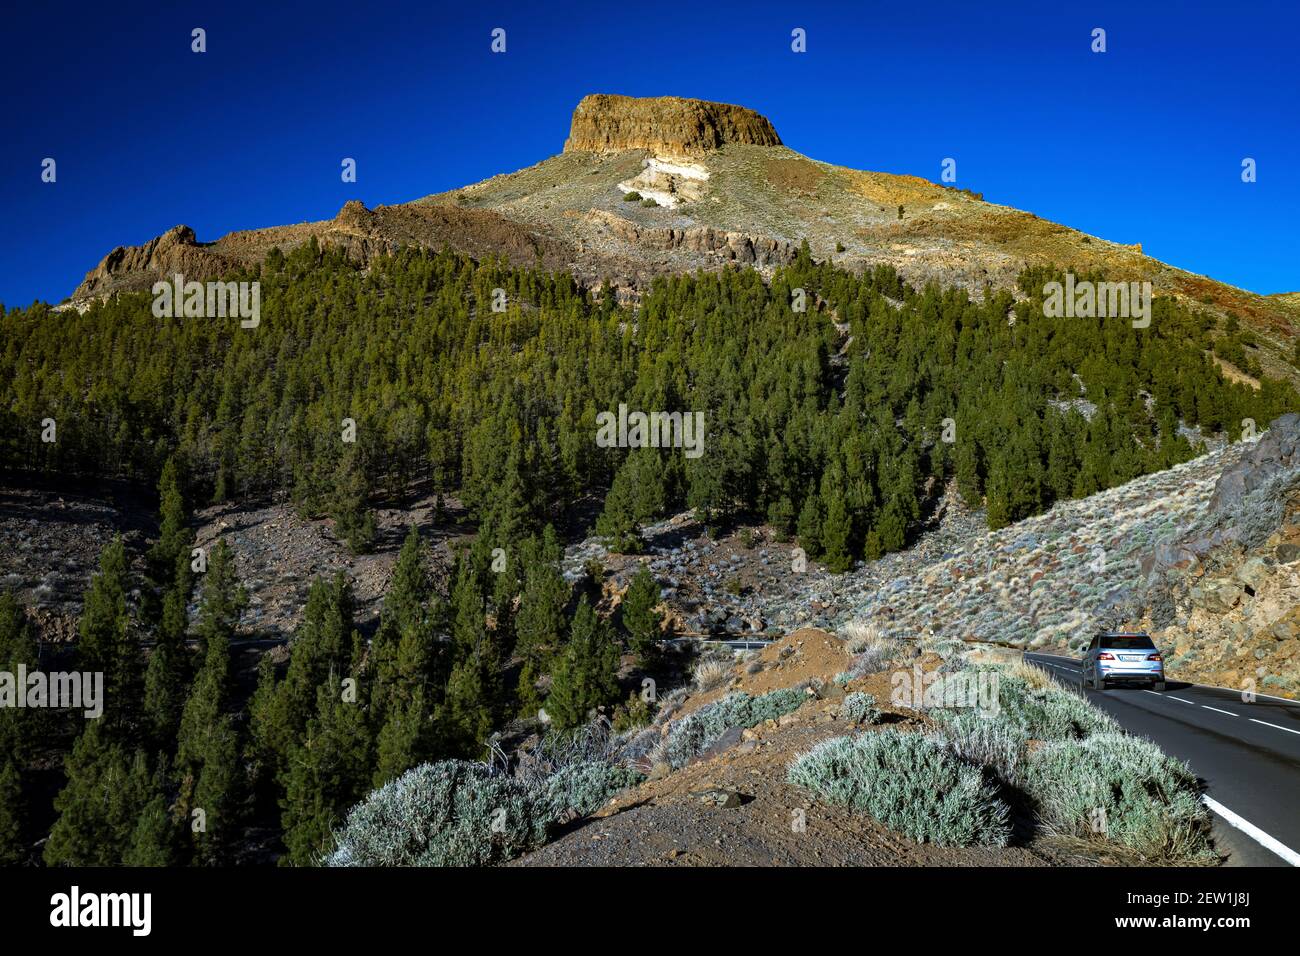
(736, 643)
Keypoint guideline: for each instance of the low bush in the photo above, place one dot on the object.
(1124, 789)
(695, 732)
(450, 813)
(457, 813)
(909, 783)
(859, 635)
(1051, 712)
(860, 708)
(993, 742)
(872, 651)
(582, 788)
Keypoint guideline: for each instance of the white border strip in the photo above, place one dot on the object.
(1274, 726)
(1254, 832)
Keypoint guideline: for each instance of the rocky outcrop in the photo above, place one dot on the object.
(1223, 589)
(137, 267)
(1247, 505)
(359, 233)
(664, 125)
(1277, 451)
(730, 246)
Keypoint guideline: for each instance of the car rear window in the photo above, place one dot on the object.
(1126, 642)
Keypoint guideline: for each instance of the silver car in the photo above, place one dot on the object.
(1115, 658)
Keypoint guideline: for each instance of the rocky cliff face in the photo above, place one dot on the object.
(1227, 587)
(137, 267)
(664, 125)
(358, 232)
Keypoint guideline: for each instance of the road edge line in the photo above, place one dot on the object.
(1269, 843)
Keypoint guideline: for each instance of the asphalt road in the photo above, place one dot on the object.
(1248, 755)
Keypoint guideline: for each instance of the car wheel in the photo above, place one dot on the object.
(1158, 685)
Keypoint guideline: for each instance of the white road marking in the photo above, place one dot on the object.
(1239, 691)
(1255, 833)
(1216, 710)
(1274, 726)
(1179, 699)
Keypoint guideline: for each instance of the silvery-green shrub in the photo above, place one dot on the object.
(693, 733)
(860, 708)
(909, 783)
(450, 813)
(985, 741)
(1049, 713)
(585, 787)
(1147, 800)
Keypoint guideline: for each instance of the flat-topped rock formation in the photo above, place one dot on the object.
(664, 125)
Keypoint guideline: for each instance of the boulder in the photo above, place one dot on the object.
(1278, 449)
(1218, 594)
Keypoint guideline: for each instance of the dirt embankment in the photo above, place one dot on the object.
(732, 806)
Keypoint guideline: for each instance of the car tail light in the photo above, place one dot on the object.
(1154, 657)
(1103, 656)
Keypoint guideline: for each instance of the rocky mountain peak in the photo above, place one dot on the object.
(665, 125)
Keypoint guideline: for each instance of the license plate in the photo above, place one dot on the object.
(1130, 657)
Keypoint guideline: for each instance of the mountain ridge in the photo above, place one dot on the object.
(661, 185)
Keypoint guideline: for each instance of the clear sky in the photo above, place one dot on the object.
(1143, 143)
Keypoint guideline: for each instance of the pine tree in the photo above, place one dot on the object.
(154, 840)
(354, 522)
(321, 646)
(173, 531)
(223, 596)
(12, 814)
(540, 624)
(99, 805)
(22, 731)
(404, 653)
(506, 516)
(328, 773)
(809, 529)
(836, 530)
(472, 690)
(586, 675)
(405, 740)
(207, 757)
(218, 793)
(618, 521)
(650, 492)
(969, 483)
(169, 663)
(409, 589)
(640, 619)
(107, 644)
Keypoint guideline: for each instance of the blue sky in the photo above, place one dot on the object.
(1143, 143)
